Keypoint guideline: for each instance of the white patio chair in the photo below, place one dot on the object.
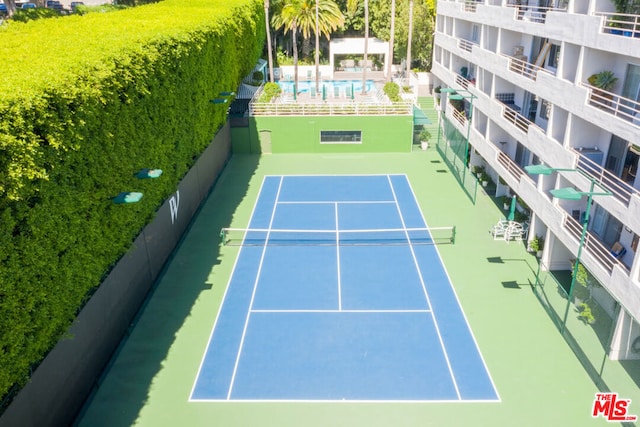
(515, 231)
(499, 230)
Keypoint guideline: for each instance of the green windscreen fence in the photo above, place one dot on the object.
(452, 146)
(586, 325)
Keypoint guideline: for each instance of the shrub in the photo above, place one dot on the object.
(86, 102)
(425, 135)
(270, 91)
(26, 15)
(392, 90)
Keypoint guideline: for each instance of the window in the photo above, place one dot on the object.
(554, 56)
(545, 109)
(340, 137)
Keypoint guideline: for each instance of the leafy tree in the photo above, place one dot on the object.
(423, 25)
(422, 34)
(352, 6)
(409, 38)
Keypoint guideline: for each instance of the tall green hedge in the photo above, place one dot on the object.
(85, 102)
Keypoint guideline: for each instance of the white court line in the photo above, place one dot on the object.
(253, 295)
(344, 401)
(426, 295)
(486, 368)
(338, 259)
(224, 297)
(342, 202)
(337, 311)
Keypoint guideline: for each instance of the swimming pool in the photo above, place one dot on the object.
(330, 86)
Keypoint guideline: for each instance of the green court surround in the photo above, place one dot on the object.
(540, 380)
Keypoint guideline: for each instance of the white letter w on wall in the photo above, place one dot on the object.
(174, 202)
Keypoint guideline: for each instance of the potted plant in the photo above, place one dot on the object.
(586, 282)
(484, 179)
(536, 245)
(585, 314)
(424, 136)
(506, 202)
(479, 171)
(603, 82)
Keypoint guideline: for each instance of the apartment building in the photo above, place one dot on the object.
(556, 82)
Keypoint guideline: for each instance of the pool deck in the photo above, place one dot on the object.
(358, 97)
(540, 379)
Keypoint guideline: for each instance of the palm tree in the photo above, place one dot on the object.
(288, 20)
(321, 17)
(409, 38)
(317, 31)
(352, 5)
(392, 31)
(269, 49)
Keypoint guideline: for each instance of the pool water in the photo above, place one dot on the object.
(330, 86)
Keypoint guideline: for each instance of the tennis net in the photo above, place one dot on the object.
(376, 237)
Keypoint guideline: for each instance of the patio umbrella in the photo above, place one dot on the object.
(351, 90)
(324, 92)
(512, 209)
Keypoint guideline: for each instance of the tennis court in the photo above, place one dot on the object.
(339, 293)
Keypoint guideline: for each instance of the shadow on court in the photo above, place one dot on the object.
(185, 276)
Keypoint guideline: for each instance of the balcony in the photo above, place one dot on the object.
(459, 116)
(535, 14)
(471, 5)
(620, 189)
(464, 83)
(619, 106)
(592, 245)
(466, 45)
(510, 166)
(525, 68)
(515, 118)
(621, 24)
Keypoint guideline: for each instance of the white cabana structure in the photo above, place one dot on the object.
(355, 46)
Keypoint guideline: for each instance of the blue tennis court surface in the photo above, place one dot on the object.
(340, 315)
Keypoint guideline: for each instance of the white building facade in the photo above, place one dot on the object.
(556, 82)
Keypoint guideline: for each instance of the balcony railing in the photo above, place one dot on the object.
(515, 118)
(619, 106)
(471, 5)
(620, 189)
(464, 82)
(535, 14)
(621, 24)
(592, 245)
(466, 45)
(525, 68)
(512, 167)
(459, 116)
